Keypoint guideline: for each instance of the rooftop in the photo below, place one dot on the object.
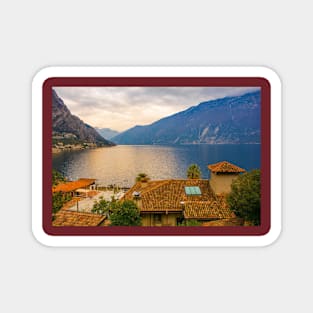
(214, 209)
(69, 218)
(167, 195)
(170, 196)
(225, 167)
(73, 185)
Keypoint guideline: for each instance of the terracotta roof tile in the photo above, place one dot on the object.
(170, 196)
(73, 185)
(207, 210)
(167, 195)
(69, 218)
(225, 167)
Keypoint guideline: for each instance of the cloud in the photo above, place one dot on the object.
(121, 108)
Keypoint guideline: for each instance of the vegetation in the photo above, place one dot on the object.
(244, 198)
(101, 207)
(120, 213)
(190, 223)
(57, 178)
(104, 207)
(125, 214)
(58, 200)
(66, 141)
(142, 177)
(193, 172)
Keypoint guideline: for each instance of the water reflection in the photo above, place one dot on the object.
(121, 164)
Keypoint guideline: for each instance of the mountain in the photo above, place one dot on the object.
(107, 133)
(70, 126)
(227, 120)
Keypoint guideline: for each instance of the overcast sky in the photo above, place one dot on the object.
(120, 108)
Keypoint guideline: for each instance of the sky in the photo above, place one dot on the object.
(121, 108)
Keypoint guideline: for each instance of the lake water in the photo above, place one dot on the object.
(121, 164)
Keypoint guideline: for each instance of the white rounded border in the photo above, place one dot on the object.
(157, 241)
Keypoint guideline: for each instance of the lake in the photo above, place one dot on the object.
(121, 164)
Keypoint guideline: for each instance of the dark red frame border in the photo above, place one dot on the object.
(160, 82)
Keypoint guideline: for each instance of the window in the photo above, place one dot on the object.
(157, 218)
(192, 191)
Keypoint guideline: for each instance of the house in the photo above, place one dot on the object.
(222, 175)
(80, 187)
(70, 218)
(170, 202)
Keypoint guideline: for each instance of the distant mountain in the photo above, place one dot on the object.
(227, 120)
(107, 133)
(70, 126)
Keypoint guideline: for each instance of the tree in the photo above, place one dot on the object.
(101, 207)
(57, 178)
(142, 177)
(244, 198)
(125, 214)
(58, 200)
(190, 223)
(194, 172)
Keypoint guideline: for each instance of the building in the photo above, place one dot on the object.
(171, 202)
(168, 202)
(69, 218)
(222, 176)
(80, 187)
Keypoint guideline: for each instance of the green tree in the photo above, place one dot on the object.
(57, 178)
(101, 207)
(193, 172)
(244, 198)
(125, 214)
(142, 177)
(190, 223)
(58, 200)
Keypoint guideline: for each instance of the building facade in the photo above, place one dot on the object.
(222, 176)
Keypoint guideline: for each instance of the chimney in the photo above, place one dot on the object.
(144, 183)
(137, 198)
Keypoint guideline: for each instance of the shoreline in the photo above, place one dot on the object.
(78, 147)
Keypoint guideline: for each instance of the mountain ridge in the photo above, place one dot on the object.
(107, 133)
(65, 124)
(225, 120)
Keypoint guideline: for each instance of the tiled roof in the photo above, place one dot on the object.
(225, 167)
(225, 222)
(69, 218)
(170, 196)
(71, 186)
(214, 209)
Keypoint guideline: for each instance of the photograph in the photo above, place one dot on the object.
(184, 157)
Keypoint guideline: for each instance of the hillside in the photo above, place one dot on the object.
(69, 129)
(228, 120)
(107, 133)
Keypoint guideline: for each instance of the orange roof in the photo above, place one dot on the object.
(170, 196)
(73, 185)
(70, 218)
(167, 195)
(214, 209)
(225, 167)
